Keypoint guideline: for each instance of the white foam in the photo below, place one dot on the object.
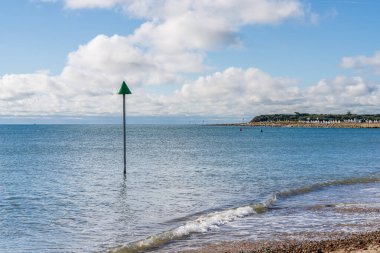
(212, 221)
(373, 205)
(373, 189)
(201, 225)
(270, 201)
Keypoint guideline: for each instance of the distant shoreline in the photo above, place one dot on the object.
(304, 125)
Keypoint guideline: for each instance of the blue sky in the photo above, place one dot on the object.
(39, 35)
(187, 60)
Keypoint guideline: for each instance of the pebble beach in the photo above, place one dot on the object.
(363, 242)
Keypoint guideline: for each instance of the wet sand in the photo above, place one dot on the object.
(364, 242)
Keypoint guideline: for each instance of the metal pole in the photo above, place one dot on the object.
(125, 159)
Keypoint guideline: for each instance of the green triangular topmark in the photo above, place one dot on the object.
(124, 89)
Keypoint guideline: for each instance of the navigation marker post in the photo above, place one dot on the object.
(123, 91)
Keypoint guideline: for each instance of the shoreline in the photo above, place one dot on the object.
(303, 125)
(365, 240)
(359, 242)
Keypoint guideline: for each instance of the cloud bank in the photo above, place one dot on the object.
(172, 43)
(361, 62)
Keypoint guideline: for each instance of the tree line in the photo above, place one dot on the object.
(316, 117)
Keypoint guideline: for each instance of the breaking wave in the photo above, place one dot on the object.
(214, 220)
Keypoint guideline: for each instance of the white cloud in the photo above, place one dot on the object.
(78, 4)
(174, 38)
(235, 92)
(232, 92)
(238, 12)
(362, 61)
(43, 1)
(172, 42)
(342, 94)
(175, 26)
(116, 58)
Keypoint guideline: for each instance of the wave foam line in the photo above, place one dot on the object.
(319, 186)
(214, 220)
(202, 224)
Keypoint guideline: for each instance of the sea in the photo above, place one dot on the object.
(62, 187)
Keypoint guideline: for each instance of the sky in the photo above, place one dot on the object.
(186, 61)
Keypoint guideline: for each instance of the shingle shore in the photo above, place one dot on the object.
(363, 242)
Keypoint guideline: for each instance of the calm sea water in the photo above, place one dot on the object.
(62, 187)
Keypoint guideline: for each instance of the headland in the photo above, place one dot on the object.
(303, 120)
